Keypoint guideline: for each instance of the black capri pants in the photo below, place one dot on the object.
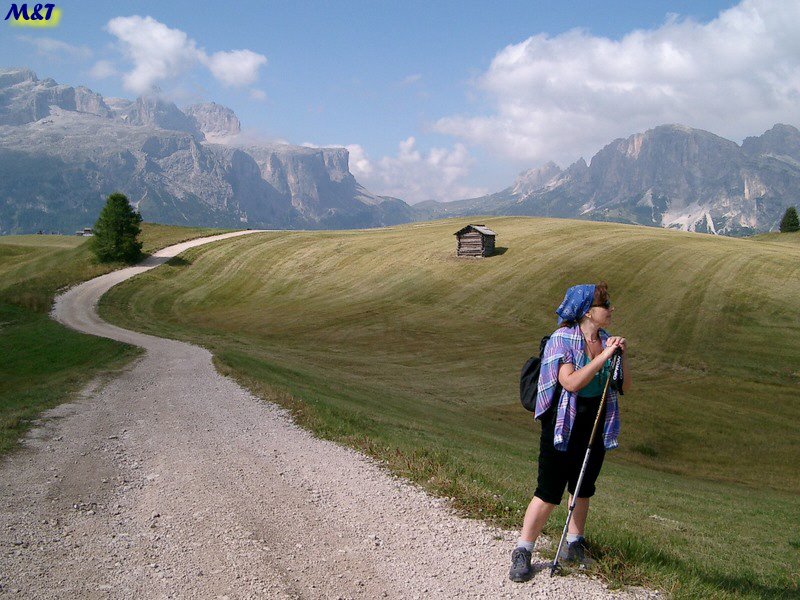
(558, 469)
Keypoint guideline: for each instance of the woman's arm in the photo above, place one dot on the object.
(573, 380)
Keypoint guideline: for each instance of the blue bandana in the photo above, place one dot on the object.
(577, 302)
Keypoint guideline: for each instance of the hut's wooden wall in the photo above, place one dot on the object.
(488, 246)
(473, 243)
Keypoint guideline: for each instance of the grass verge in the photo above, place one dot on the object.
(45, 364)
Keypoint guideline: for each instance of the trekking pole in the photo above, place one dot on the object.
(615, 365)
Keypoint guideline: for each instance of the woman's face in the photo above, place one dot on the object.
(601, 315)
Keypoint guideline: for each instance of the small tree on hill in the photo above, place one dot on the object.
(790, 222)
(115, 231)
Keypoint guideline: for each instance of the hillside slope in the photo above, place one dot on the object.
(388, 342)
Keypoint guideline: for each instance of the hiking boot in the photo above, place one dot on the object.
(520, 565)
(578, 553)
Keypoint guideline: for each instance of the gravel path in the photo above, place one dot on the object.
(171, 481)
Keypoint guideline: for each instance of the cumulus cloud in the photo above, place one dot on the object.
(360, 166)
(564, 96)
(415, 176)
(236, 68)
(156, 51)
(160, 53)
(56, 49)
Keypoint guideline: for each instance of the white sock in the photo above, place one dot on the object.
(573, 537)
(523, 544)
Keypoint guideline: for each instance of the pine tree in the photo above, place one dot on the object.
(116, 230)
(790, 222)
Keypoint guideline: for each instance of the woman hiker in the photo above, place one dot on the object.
(577, 357)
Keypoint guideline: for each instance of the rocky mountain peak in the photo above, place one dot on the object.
(154, 111)
(579, 166)
(781, 140)
(13, 76)
(534, 179)
(91, 102)
(217, 122)
(24, 98)
(664, 152)
(672, 135)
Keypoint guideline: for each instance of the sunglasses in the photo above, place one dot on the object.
(606, 304)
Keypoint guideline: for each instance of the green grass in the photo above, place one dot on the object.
(45, 363)
(782, 238)
(34, 267)
(384, 340)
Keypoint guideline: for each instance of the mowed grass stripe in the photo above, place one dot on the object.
(385, 340)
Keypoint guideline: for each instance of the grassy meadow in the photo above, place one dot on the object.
(44, 362)
(384, 340)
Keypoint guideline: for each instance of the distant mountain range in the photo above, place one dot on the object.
(670, 176)
(63, 149)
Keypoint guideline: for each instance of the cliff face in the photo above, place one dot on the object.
(670, 176)
(323, 190)
(155, 112)
(674, 176)
(64, 149)
(217, 122)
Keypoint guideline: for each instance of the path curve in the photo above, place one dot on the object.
(171, 481)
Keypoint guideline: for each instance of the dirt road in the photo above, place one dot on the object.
(171, 481)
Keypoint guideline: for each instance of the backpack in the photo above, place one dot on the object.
(529, 378)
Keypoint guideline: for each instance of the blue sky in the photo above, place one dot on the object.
(438, 99)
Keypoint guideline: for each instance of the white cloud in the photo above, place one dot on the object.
(160, 53)
(56, 49)
(565, 96)
(360, 166)
(259, 95)
(415, 176)
(236, 68)
(103, 69)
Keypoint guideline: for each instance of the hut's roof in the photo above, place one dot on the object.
(482, 229)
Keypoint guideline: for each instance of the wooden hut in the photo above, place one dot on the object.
(475, 240)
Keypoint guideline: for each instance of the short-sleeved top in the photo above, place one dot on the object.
(566, 346)
(598, 382)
